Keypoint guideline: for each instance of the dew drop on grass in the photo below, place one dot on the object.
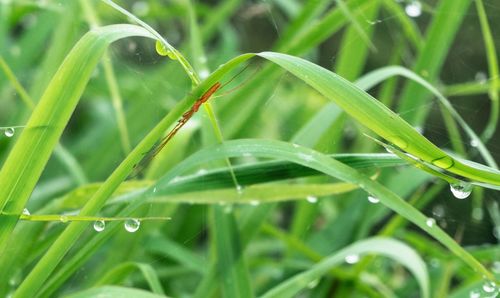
(26, 211)
(413, 9)
(312, 199)
(373, 200)
(9, 132)
(63, 218)
(162, 51)
(99, 225)
(430, 222)
(474, 143)
(132, 225)
(352, 259)
(461, 190)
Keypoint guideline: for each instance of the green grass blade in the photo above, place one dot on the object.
(491, 55)
(393, 249)
(378, 117)
(321, 162)
(112, 291)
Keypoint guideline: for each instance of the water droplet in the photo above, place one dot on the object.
(474, 143)
(489, 287)
(9, 132)
(63, 218)
(99, 225)
(132, 225)
(474, 294)
(26, 211)
(461, 190)
(140, 8)
(352, 259)
(430, 222)
(255, 202)
(438, 211)
(413, 9)
(496, 232)
(373, 199)
(481, 77)
(163, 51)
(312, 199)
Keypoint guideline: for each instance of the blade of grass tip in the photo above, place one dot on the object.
(439, 37)
(109, 73)
(377, 117)
(59, 248)
(383, 73)
(494, 84)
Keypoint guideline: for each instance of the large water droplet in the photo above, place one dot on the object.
(413, 9)
(132, 225)
(461, 190)
(26, 211)
(99, 225)
(373, 200)
(430, 222)
(352, 259)
(312, 199)
(9, 132)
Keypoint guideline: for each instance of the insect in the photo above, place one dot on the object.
(194, 108)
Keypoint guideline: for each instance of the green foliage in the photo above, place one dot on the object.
(274, 185)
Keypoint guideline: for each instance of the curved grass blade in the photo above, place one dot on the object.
(371, 79)
(388, 247)
(373, 114)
